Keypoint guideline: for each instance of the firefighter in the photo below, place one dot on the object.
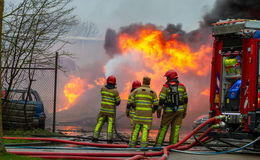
(109, 100)
(173, 100)
(145, 101)
(130, 110)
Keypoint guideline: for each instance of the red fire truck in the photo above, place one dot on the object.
(235, 77)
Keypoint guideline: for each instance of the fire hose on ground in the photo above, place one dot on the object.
(121, 149)
(142, 157)
(223, 152)
(165, 151)
(167, 148)
(101, 156)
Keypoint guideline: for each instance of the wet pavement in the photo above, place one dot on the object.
(183, 156)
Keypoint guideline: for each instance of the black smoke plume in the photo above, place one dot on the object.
(233, 9)
(110, 44)
(223, 9)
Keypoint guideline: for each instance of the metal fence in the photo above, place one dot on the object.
(45, 83)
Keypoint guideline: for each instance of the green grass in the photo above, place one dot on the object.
(23, 133)
(14, 141)
(26, 133)
(8, 156)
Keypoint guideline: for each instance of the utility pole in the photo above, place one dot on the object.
(2, 148)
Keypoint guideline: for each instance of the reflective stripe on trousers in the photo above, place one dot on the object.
(175, 121)
(175, 131)
(99, 125)
(135, 134)
(161, 136)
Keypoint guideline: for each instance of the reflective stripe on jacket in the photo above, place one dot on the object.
(130, 103)
(144, 99)
(109, 100)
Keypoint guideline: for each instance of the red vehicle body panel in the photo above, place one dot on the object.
(249, 97)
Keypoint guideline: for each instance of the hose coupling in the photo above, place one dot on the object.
(219, 125)
(220, 117)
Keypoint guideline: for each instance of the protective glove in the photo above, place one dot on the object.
(159, 113)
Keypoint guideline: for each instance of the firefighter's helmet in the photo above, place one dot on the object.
(111, 79)
(136, 84)
(171, 74)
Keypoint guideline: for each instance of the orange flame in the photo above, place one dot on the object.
(73, 90)
(124, 95)
(100, 81)
(205, 92)
(160, 54)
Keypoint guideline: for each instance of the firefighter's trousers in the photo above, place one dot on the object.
(175, 120)
(100, 122)
(135, 134)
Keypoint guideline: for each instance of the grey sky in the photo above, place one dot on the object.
(116, 13)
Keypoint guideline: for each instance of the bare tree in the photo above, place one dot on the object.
(31, 29)
(2, 149)
(86, 29)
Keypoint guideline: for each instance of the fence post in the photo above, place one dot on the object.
(55, 92)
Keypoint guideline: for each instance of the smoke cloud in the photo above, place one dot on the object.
(111, 42)
(230, 9)
(223, 9)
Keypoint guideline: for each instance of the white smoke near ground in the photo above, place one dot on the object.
(130, 61)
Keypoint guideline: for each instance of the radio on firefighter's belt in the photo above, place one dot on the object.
(172, 97)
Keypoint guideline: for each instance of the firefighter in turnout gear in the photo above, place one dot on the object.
(173, 100)
(109, 100)
(145, 103)
(130, 110)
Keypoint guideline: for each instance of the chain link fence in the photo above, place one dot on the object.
(44, 82)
